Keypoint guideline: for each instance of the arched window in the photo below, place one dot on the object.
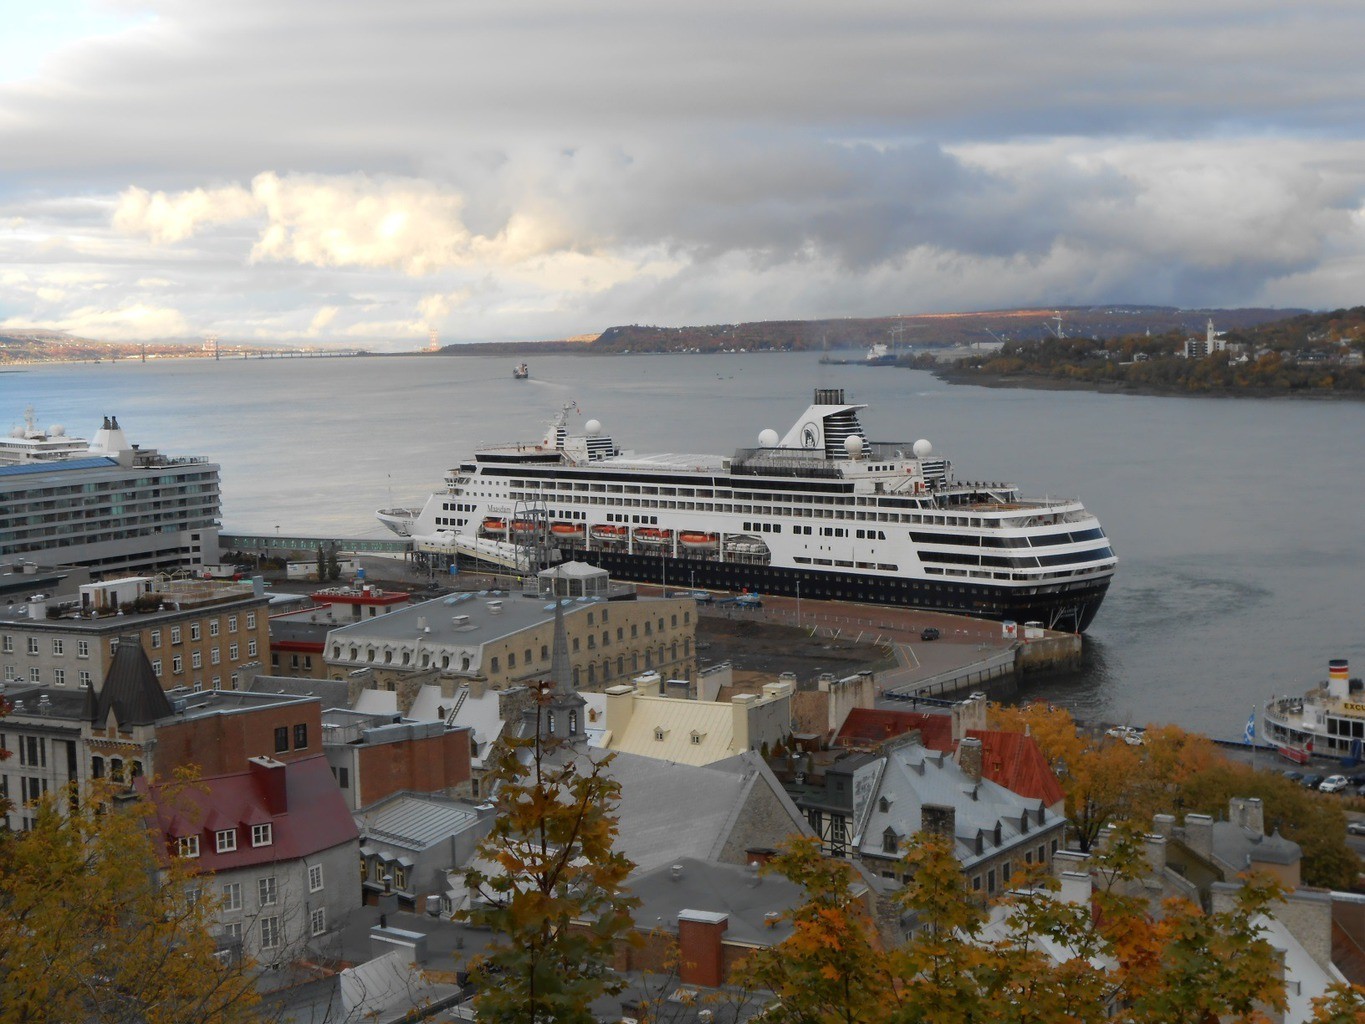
(573, 723)
(890, 841)
(592, 674)
(97, 767)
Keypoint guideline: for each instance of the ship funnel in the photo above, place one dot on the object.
(1338, 679)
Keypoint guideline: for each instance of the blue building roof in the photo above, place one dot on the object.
(100, 462)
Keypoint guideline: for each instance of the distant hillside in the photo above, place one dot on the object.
(1311, 354)
(916, 331)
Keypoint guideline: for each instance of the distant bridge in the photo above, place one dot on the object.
(284, 542)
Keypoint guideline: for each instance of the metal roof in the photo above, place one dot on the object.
(416, 822)
(27, 468)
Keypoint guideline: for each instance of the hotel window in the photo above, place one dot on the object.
(33, 645)
(281, 739)
(196, 659)
(213, 627)
(250, 620)
(35, 675)
(156, 638)
(7, 644)
(232, 896)
(85, 679)
(266, 891)
(262, 835)
(82, 648)
(214, 656)
(225, 840)
(314, 877)
(194, 631)
(318, 920)
(58, 647)
(232, 623)
(251, 653)
(232, 652)
(175, 634)
(59, 676)
(177, 665)
(300, 735)
(188, 846)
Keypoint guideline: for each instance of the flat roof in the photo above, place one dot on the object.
(490, 614)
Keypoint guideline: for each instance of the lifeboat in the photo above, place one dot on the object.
(568, 531)
(651, 535)
(495, 526)
(699, 541)
(523, 526)
(607, 532)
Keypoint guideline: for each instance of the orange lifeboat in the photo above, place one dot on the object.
(607, 532)
(494, 526)
(651, 535)
(699, 541)
(568, 531)
(523, 526)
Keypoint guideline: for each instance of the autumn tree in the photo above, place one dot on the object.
(552, 894)
(97, 924)
(832, 968)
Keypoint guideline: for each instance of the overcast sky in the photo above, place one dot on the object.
(359, 171)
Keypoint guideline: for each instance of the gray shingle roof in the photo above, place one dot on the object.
(130, 688)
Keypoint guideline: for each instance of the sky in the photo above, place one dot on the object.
(351, 172)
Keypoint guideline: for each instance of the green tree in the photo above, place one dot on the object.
(98, 924)
(333, 564)
(553, 895)
(322, 565)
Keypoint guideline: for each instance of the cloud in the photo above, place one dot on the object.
(173, 218)
(321, 319)
(134, 322)
(497, 172)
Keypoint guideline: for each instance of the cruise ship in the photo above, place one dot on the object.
(821, 512)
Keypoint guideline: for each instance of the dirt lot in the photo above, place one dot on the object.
(761, 649)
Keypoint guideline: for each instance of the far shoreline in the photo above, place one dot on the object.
(1040, 382)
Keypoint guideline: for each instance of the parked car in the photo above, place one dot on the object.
(1356, 828)
(1311, 781)
(1130, 734)
(1293, 776)
(1333, 784)
(929, 633)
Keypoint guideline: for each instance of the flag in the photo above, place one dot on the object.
(1250, 735)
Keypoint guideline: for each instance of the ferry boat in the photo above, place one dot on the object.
(820, 512)
(1328, 720)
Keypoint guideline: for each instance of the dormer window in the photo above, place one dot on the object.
(659, 733)
(262, 835)
(225, 840)
(884, 805)
(697, 737)
(187, 846)
(890, 841)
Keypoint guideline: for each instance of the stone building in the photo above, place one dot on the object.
(502, 640)
(198, 634)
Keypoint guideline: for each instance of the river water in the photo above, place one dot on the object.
(1238, 522)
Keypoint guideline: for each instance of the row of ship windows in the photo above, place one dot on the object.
(107, 486)
(925, 519)
(1031, 562)
(845, 564)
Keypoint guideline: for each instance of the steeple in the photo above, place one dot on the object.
(130, 691)
(560, 707)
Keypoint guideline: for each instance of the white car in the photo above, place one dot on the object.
(1333, 784)
(1130, 734)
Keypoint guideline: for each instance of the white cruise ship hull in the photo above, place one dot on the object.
(821, 513)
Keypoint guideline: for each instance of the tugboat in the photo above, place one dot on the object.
(521, 371)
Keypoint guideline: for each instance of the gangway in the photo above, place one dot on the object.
(445, 542)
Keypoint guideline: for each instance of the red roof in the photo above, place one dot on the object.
(314, 816)
(1010, 759)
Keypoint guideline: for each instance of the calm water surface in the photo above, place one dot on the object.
(1238, 523)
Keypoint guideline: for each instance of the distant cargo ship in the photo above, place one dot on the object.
(820, 513)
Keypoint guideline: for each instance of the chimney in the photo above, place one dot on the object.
(938, 819)
(969, 758)
(1248, 813)
(1154, 846)
(702, 958)
(739, 717)
(620, 705)
(1076, 888)
(1199, 834)
(268, 774)
(1163, 825)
